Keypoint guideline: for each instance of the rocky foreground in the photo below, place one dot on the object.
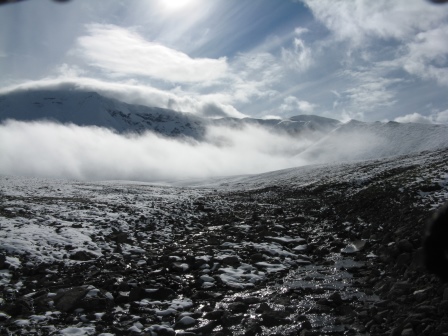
(319, 250)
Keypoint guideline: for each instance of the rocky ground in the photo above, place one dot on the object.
(320, 250)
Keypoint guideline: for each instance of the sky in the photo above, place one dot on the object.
(346, 59)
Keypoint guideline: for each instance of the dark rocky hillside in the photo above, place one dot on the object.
(319, 250)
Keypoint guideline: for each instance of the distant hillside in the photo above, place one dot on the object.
(356, 140)
(91, 109)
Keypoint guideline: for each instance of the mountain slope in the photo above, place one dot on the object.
(91, 109)
(357, 140)
(302, 124)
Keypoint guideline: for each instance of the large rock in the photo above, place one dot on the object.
(68, 299)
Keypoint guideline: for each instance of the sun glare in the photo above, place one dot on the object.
(175, 5)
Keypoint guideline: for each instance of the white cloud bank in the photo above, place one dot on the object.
(69, 151)
(121, 52)
(435, 118)
(133, 92)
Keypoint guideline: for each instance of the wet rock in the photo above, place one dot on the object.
(20, 307)
(4, 317)
(407, 332)
(122, 297)
(231, 261)
(228, 320)
(238, 307)
(248, 299)
(162, 293)
(405, 245)
(206, 295)
(278, 211)
(206, 329)
(213, 240)
(336, 298)
(185, 323)
(274, 318)
(253, 328)
(179, 267)
(120, 237)
(354, 246)
(82, 256)
(445, 294)
(403, 259)
(257, 257)
(137, 294)
(68, 299)
(262, 308)
(214, 315)
(3, 261)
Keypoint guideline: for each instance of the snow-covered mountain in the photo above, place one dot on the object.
(328, 140)
(310, 125)
(358, 140)
(91, 109)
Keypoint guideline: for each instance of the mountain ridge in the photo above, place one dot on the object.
(64, 106)
(325, 140)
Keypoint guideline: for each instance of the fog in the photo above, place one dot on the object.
(47, 149)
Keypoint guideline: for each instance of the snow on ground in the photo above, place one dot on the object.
(52, 220)
(166, 252)
(71, 214)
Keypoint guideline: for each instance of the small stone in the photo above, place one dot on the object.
(137, 294)
(274, 318)
(407, 332)
(256, 257)
(336, 298)
(248, 299)
(232, 261)
(185, 322)
(264, 307)
(82, 256)
(163, 293)
(405, 245)
(403, 259)
(214, 315)
(2, 261)
(445, 294)
(238, 307)
(207, 328)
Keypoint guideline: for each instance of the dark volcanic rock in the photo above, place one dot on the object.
(275, 318)
(241, 269)
(68, 299)
(82, 256)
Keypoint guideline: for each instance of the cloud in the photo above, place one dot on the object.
(348, 146)
(69, 151)
(299, 57)
(402, 34)
(371, 93)
(254, 75)
(435, 118)
(132, 92)
(121, 52)
(292, 104)
(360, 21)
(427, 55)
(414, 118)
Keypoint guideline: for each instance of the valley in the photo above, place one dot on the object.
(328, 249)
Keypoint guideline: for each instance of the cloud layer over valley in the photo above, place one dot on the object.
(49, 149)
(55, 150)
